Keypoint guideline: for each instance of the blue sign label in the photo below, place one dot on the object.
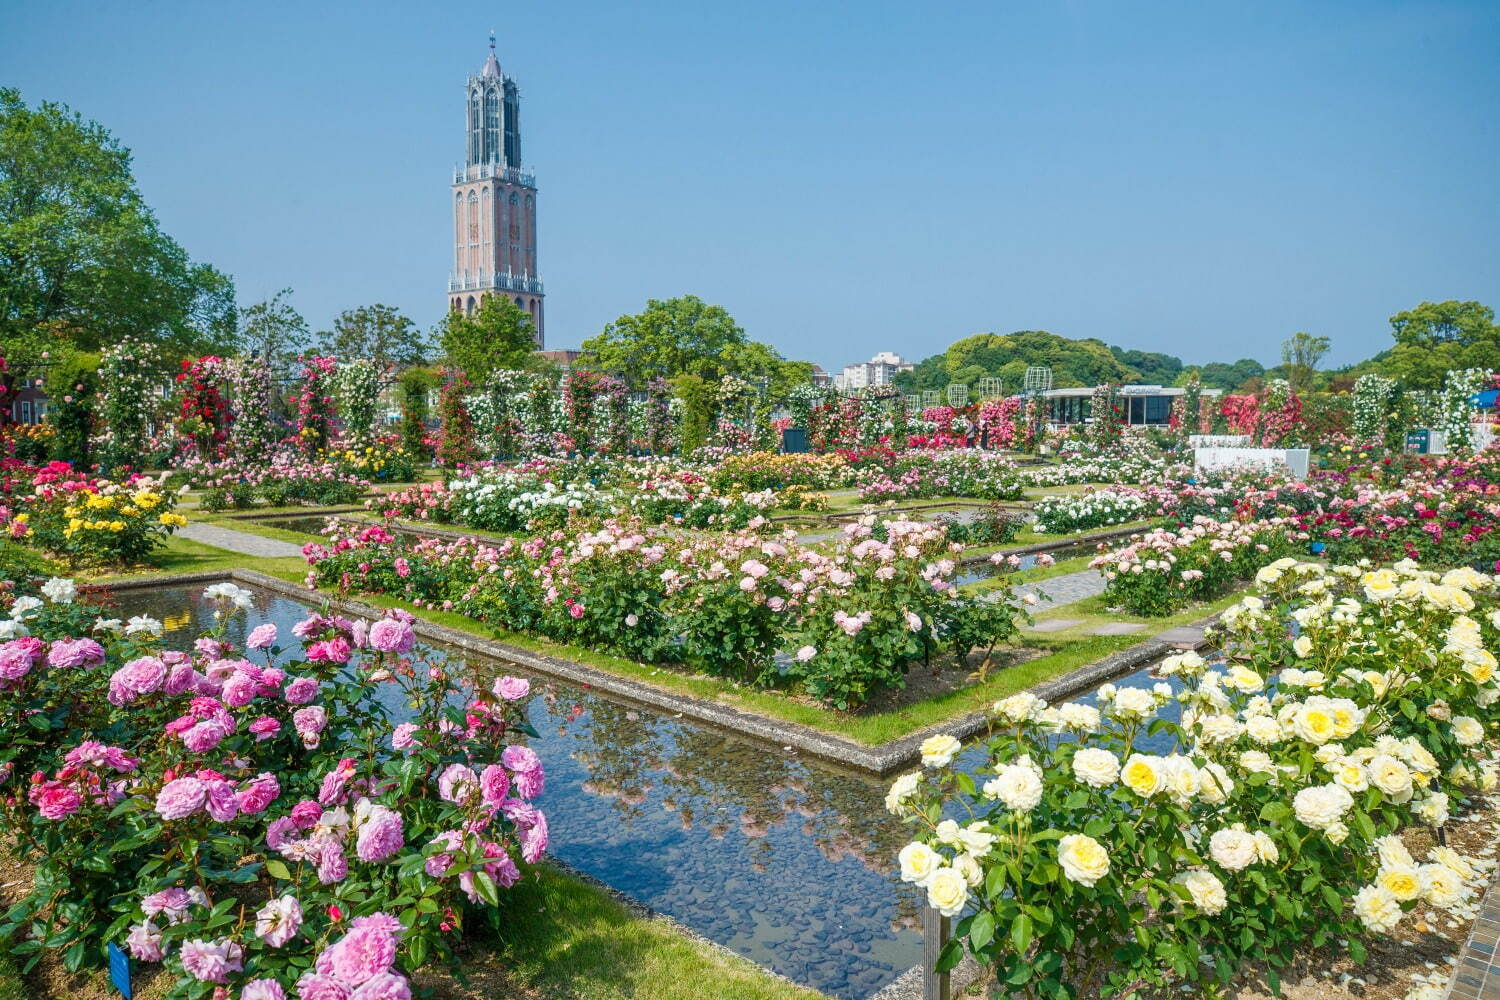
(119, 970)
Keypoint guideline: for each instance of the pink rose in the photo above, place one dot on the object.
(54, 800)
(257, 793)
(262, 636)
(265, 728)
(181, 797)
(511, 688)
(391, 636)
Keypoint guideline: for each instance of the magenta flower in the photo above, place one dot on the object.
(316, 986)
(278, 921)
(457, 783)
(519, 758)
(380, 835)
(265, 728)
(301, 691)
(211, 961)
(383, 986)
(137, 677)
(55, 800)
(494, 784)
(144, 942)
(360, 955)
(511, 688)
(529, 784)
(262, 636)
(534, 840)
(332, 865)
(402, 737)
(391, 636)
(172, 902)
(262, 989)
(239, 690)
(180, 677)
(280, 832)
(180, 798)
(18, 656)
(306, 814)
(204, 736)
(257, 793)
(336, 783)
(438, 864)
(75, 653)
(310, 722)
(219, 800)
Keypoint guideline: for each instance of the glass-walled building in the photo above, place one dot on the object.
(1143, 405)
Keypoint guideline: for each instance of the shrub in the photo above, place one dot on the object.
(244, 822)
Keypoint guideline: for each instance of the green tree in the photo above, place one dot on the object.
(684, 336)
(1301, 354)
(378, 333)
(1230, 377)
(82, 259)
(274, 331)
(1153, 368)
(496, 335)
(1438, 337)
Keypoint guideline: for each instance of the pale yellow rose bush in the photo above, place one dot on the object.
(1100, 849)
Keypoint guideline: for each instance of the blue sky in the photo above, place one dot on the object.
(1198, 178)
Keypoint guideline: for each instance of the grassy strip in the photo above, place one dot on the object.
(1062, 652)
(571, 939)
(11, 985)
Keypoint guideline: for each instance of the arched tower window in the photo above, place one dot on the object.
(470, 307)
(491, 125)
(489, 223)
(473, 218)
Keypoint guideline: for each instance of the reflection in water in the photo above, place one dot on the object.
(785, 861)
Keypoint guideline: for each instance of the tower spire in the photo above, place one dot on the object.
(492, 64)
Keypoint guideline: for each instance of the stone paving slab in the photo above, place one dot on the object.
(1054, 624)
(1183, 636)
(1117, 628)
(238, 541)
(1477, 974)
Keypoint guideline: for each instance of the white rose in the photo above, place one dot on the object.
(1206, 890)
(1084, 718)
(918, 862)
(1393, 853)
(1263, 729)
(1432, 810)
(1402, 881)
(1377, 909)
(1021, 707)
(1083, 859)
(1441, 886)
(947, 892)
(1214, 783)
(1095, 767)
(939, 750)
(1232, 850)
(1468, 731)
(1266, 849)
(1321, 806)
(1133, 703)
(1245, 680)
(1391, 776)
(968, 867)
(1302, 646)
(901, 790)
(1018, 786)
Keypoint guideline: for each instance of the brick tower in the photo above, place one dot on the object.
(494, 203)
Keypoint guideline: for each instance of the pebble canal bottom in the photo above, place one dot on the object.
(783, 860)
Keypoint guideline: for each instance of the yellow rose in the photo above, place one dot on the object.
(1083, 859)
(1401, 881)
(1142, 775)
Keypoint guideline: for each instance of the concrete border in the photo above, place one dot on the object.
(873, 762)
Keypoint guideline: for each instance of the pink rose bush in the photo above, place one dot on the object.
(737, 604)
(222, 813)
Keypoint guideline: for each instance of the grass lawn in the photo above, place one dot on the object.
(563, 937)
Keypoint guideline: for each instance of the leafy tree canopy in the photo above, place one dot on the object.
(687, 336)
(82, 260)
(1228, 377)
(1301, 354)
(1438, 337)
(379, 333)
(498, 334)
(1007, 356)
(274, 331)
(1153, 368)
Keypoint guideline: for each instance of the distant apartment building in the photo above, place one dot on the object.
(820, 378)
(879, 370)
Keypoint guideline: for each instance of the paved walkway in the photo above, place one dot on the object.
(238, 541)
(1062, 590)
(1477, 976)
